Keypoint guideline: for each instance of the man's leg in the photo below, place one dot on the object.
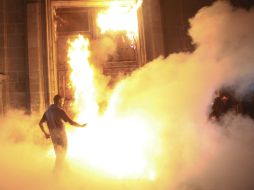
(60, 152)
(59, 140)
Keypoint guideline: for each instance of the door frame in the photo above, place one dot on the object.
(51, 65)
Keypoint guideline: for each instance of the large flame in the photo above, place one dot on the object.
(82, 79)
(115, 143)
(120, 18)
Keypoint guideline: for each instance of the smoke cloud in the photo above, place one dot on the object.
(101, 49)
(174, 95)
(23, 156)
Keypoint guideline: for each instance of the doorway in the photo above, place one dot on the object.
(67, 19)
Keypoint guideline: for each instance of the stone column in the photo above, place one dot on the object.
(3, 44)
(153, 29)
(2, 77)
(35, 63)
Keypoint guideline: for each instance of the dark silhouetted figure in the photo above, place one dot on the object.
(221, 105)
(55, 117)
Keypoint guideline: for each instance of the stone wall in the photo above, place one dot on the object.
(15, 66)
(2, 58)
(1, 37)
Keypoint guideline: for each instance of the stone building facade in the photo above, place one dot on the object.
(28, 74)
(13, 64)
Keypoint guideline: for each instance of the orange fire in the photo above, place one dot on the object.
(82, 79)
(115, 143)
(120, 18)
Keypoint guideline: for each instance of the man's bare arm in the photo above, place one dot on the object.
(69, 120)
(43, 119)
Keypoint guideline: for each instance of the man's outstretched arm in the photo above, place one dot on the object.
(43, 119)
(66, 118)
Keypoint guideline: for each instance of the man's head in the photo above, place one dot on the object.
(58, 100)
